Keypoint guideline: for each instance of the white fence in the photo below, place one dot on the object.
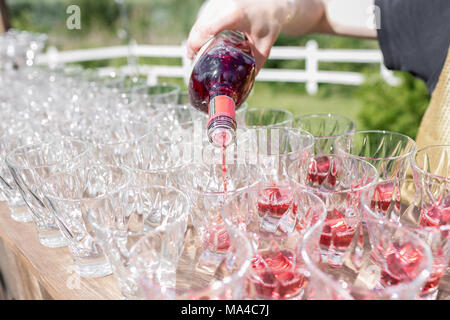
(312, 55)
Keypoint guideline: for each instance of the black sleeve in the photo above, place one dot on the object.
(414, 36)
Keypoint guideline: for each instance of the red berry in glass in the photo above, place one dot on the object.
(221, 81)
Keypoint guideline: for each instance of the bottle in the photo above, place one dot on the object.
(222, 77)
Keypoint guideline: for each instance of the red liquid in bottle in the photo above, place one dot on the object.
(221, 81)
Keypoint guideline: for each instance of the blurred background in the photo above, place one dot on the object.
(373, 104)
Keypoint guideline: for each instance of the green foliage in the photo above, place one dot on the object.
(395, 108)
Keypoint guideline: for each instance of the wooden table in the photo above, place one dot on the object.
(28, 270)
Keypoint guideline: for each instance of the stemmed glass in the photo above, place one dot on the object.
(401, 271)
(119, 220)
(339, 184)
(325, 128)
(68, 196)
(30, 165)
(277, 269)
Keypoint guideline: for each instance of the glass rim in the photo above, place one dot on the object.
(350, 190)
(126, 184)
(328, 115)
(406, 155)
(10, 161)
(391, 290)
(279, 124)
(414, 164)
(164, 227)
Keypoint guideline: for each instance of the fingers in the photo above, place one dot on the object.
(212, 19)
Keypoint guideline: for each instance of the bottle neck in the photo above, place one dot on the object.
(221, 125)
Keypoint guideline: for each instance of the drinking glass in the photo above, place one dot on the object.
(427, 223)
(268, 117)
(398, 275)
(389, 152)
(120, 219)
(30, 165)
(68, 197)
(325, 128)
(338, 181)
(274, 149)
(277, 269)
(193, 279)
(208, 184)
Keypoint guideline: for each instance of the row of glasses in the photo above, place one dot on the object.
(163, 156)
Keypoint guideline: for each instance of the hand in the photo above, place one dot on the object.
(260, 20)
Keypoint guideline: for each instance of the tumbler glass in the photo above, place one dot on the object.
(30, 165)
(16, 134)
(338, 181)
(120, 219)
(193, 280)
(389, 152)
(277, 269)
(68, 197)
(325, 128)
(208, 184)
(274, 149)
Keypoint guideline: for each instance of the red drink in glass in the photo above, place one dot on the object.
(275, 200)
(336, 232)
(221, 80)
(402, 262)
